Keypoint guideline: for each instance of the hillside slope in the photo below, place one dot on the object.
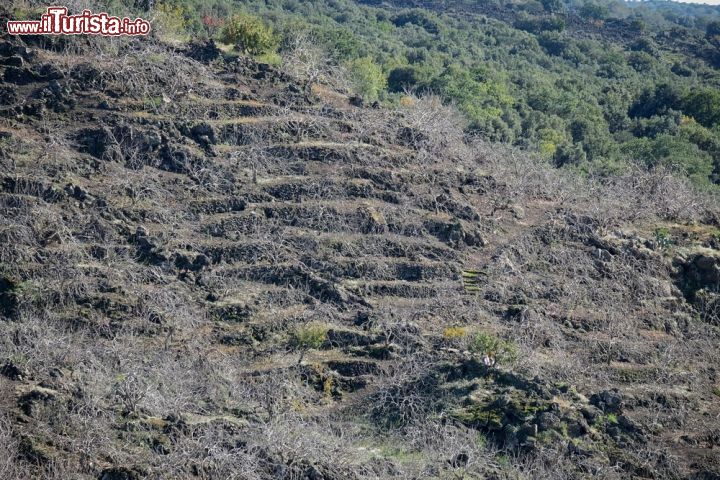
(210, 269)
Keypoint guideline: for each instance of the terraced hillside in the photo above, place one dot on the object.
(211, 269)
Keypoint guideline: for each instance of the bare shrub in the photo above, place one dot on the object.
(407, 392)
(434, 129)
(304, 59)
(9, 450)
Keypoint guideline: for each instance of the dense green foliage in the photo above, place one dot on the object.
(368, 77)
(594, 85)
(249, 33)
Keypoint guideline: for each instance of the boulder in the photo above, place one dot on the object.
(120, 473)
(698, 276)
(12, 371)
(20, 75)
(14, 61)
(204, 52)
(35, 400)
(204, 134)
(8, 297)
(547, 421)
(345, 338)
(609, 401)
(701, 271)
(7, 49)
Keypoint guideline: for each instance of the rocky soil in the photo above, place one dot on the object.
(212, 269)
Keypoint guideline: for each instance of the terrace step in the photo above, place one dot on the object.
(392, 288)
(385, 269)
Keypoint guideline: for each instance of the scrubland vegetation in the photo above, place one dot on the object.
(591, 85)
(288, 244)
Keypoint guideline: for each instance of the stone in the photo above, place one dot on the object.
(119, 473)
(76, 192)
(577, 428)
(699, 271)
(547, 421)
(590, 412)
(8, 95)
(7, 49)
(204, 134)
(609, 401)
(14, 61)
(12, 371)
(152, 139)
(33, 401)
(203, 51)
(8, 297)
(20, 76)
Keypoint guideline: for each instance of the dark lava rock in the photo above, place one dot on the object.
(352, 368)
(203, 51)
(7, 49)
(8, 95)
(147, 247)
(547, 421)
(98, 142)
(8, 298)
(699, 271)
(76, 192)
(204, 134)
(12, 371)
(120, 473)
(20, 76)
(609, 401)
(32, 401)
(344, 338)
(14, 61)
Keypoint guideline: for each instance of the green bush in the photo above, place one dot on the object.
(594, 11)
(407, 77)
(663, 239)
(249, 34)
(421, 18)
(309, 336)
(367, 77)
(671, 151)
(503, 351)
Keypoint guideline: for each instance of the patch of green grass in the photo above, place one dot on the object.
(605, 420)
(400, 454)
(152, 102)
(271, 58)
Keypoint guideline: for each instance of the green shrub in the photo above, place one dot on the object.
(407, 77)
(249, 34)
(171, 19)
(307, 337)
(662, 237)
(418, 17)
(502, 351)
(367, 77)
